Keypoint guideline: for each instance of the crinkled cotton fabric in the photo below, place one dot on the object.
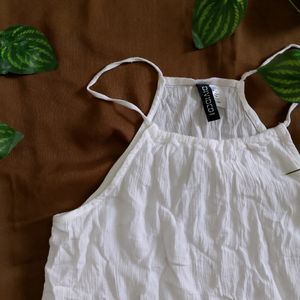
(191, 210)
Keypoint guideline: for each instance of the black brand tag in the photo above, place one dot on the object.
(209, 102)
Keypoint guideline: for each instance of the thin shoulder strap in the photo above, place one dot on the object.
(121, 101)
(287, 121)
(249, 73)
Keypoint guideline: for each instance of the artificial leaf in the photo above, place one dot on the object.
(9, 138)
(283, 75)
(214, 20)
(25, 50)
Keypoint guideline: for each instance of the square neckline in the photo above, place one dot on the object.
(279, 130)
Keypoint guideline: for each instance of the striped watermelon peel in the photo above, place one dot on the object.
(214, 20)
(283, 75)
(25, 50)
(9, 138)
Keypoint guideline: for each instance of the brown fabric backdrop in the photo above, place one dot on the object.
(71, 139)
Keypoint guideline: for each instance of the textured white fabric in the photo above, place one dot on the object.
(191, 210)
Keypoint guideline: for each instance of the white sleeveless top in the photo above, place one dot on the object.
(192, 209)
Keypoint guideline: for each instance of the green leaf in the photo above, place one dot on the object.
(25, 50)
(283, 75)
(9, 138)
(214, 20)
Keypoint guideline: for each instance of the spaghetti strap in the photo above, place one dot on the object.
(121, 101)
(249, 73)
(288, 116)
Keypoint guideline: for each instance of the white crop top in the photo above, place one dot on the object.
(191, 210)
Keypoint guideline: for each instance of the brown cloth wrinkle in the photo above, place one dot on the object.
(72, 139)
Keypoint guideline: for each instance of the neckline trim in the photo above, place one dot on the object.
(175, 81)
(225, 82)
(158, 134)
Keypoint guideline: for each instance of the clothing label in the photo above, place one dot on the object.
(218, 95)
(209, 102)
